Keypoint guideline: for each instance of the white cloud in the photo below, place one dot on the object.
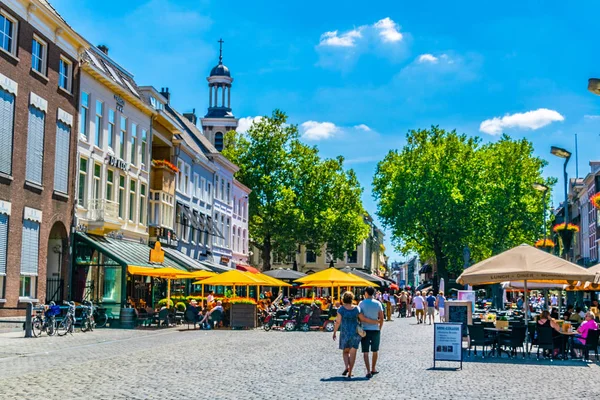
(314, 130)
(388, 30)
(347, 39)
(427, 58)
(533, 120)
(591, 116)
(245, 123)
(362, 127)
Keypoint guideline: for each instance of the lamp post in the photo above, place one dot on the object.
(562, 153)
(544, 189)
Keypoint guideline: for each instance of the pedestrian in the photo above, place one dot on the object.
(440, 304)
(347, 319)
(419, 303)
(388, 306)
(392, 305)
(372, 310)
(409, 302)
(402, 299)
(430, 306)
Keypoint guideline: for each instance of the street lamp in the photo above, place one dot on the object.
(544, 189)
(562, 153)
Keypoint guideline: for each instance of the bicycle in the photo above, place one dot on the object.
(45, 320)
(67, 325)
(87, 316)
(101, 316)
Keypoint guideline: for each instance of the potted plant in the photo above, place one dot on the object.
(566, 233)
(165, 164)
(242, 313)
(545, 244)
(502, 323)
(595, 199)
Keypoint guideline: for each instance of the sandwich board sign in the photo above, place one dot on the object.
(447, 342)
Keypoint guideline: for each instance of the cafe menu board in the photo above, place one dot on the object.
(460, 312)
(447, 342)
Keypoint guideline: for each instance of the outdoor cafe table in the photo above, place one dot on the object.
(569, 336)
(496, 331)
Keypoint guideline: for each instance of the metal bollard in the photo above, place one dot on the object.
(28, 320)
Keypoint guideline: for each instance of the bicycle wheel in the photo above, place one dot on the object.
(51, 329)
(37, 327)
(85, 325)
(101, 320)
(65, 326)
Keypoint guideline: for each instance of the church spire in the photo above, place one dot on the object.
(221, 50)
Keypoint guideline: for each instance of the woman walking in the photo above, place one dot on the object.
(347, 317)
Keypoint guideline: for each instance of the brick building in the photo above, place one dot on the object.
(39, 85)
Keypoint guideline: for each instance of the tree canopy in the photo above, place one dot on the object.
(297, 197)
(444, 191)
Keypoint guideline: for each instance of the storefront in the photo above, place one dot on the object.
(100, 272)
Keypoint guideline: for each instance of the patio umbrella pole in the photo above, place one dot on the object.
(168, 293)
(526, 306)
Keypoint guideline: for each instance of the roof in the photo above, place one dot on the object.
(202, 143)
(220, 70)
(184, 259)
(53, 11)
(126, 253)
(219, 112)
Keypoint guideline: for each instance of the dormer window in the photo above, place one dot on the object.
(156, 103)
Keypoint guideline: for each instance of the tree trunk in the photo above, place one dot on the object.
(442, 267)
(266, 254)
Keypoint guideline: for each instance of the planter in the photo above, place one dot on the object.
(242, 316)
(501, 324)
(566, 236)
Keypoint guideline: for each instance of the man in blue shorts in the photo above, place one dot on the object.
(373, 310)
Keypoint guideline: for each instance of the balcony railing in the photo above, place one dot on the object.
(101, 210)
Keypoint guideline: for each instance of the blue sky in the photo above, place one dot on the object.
(356, 78)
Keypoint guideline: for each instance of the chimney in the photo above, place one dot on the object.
(191, 116)
(165, 93)
(103, 49)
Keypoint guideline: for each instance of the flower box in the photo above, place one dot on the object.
(501, 324)
(242, 315)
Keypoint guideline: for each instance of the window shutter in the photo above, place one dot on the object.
(61, 162)
(35, 146)
(3, 242)
(7, 112)
(29, 248)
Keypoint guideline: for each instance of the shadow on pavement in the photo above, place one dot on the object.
(343, 379)
(527, 361)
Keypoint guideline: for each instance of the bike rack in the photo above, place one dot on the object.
(28, 318)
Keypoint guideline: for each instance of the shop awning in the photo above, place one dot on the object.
(125, 253)
(247, 268)
(200, 220)
(213, 229)
(425, 269)
(189, 262)
(215, 267)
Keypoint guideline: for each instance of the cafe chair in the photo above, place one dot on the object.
(513, 340)
(477, 337)
(191, 316)
(215, 318)
(544, 340)
(591, 343)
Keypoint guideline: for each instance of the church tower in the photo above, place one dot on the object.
(219, 118)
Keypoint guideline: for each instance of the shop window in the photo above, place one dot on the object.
(111, 290)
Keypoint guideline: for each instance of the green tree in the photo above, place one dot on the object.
(444, 191)
(297, 198)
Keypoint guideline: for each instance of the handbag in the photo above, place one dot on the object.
(360, 331)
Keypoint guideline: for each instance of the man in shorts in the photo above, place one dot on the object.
(419, 303)
(373, 310)
(430, 306)
(440, 305)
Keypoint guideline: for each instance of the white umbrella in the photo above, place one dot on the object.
(442, 286)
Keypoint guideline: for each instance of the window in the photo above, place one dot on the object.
(111, 291)
(133, 142)
(180, 175)
(217, 186)
(240, 207)
(227, 198)
(209, 191)
(222, 190)
(35, 145)
(219, 141)
(223, 239)
(353, 257)
(156, 103)
(121, 196)
(38, 55)
(132, 201)
(234, 206)
(311, 256)
(82, 178)
(110, 181)
(142, 219)
(8, 33)
(228, 235)
(96, 187)
(83, 113)
(144, 146)
(111, 129)
(244, 243)
(122, 138)
(202, 188)
(187, 187)
(61, 158)
(99, 113)
(7, 113)
(195, 189)
(29, 258)
(3, 251)
(65, 71)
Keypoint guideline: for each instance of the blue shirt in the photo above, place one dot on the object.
(370, 308)
(441, 301)
(430, 301)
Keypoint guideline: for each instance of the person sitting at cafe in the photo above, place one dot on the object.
(567, 314)
(554, 313)
(576, 317)
(544, 320)
(192, 313)
(588, 325)
(210, 298)
(204, 324)
(206, 318)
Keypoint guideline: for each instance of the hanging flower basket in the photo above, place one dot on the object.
(596, 200)
(165, 164)
(545, 243)
(569, 227)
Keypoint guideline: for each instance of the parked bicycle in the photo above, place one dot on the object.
(45, 320)
(102, 316)
(87, 316)
(67, 325)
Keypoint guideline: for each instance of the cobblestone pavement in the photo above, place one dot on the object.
(223, 364)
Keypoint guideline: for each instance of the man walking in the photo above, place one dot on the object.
(371, 309)
(430, 307)
(419, 303)
(388, 306)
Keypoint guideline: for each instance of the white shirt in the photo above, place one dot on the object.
(418, 302)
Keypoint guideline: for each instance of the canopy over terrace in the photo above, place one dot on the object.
(239, 278)
(364, 275)
(285, 273)
(588, 285)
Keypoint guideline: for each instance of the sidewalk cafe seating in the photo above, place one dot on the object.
(144, 318)
(513, 340)
(591, 343)
(477, 337)
(191, 316)
(545, 340)
(162, 319)
(215, 318)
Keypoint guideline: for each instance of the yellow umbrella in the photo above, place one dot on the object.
(165, 272)
(235, 278)
(274, 281)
